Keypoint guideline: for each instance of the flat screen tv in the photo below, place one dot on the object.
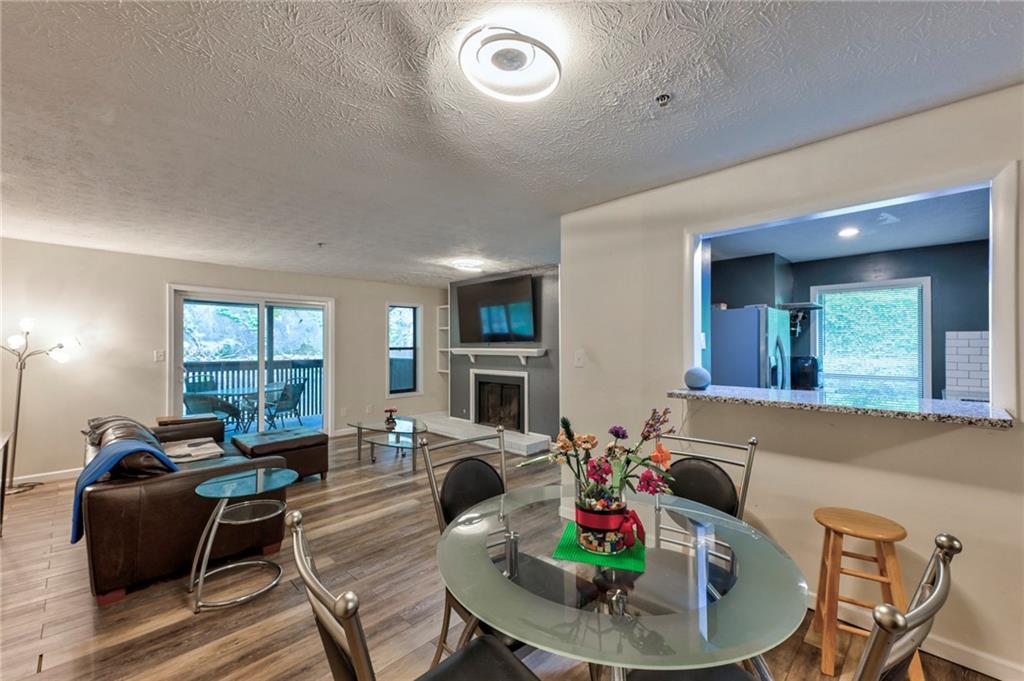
(499, 311)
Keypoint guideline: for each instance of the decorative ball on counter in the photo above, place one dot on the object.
(697, 378)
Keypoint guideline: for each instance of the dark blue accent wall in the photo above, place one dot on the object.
(756, 280)
(959, 285)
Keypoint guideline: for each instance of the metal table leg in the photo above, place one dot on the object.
(359, 443)
(206, 547)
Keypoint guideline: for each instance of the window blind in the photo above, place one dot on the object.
(873, 338)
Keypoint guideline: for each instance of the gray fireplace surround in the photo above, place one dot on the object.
(540, 374)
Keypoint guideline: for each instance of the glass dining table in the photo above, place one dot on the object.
(714, 590)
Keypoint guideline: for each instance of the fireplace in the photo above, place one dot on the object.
(500, 402)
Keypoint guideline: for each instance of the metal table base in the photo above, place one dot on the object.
(222, 516)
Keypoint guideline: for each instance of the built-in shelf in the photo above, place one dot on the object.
(522, 353)
(443, 339)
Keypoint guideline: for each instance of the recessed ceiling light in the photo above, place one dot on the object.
(509, 65)
(849, 232)
(468, 264)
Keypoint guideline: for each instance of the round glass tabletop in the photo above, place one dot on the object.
(714, 590)
(246, 483)
(405, 424)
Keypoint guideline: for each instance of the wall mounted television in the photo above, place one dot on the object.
(499, 311)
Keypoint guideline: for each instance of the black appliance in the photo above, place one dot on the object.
(497, 311)
(806, 373)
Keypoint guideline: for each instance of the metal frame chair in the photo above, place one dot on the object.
(341, 632)
(450, 604)
(747, 465)
(894, 638)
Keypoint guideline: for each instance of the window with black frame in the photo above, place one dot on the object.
(403, 333)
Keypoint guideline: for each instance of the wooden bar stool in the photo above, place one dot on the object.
(839, 522)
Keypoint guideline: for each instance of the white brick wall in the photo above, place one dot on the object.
(966, 365)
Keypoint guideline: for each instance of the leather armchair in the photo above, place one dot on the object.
(141, 530)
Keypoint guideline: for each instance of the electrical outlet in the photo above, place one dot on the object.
(159, 355)
(369, 409)
(579, 358)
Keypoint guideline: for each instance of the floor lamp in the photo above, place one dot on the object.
(17, 345)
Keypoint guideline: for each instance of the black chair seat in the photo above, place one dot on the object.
(704, 482)
(484, 657)
(728, 672)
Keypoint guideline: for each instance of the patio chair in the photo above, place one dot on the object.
(197, 404)
(287, 404)
(200, 384)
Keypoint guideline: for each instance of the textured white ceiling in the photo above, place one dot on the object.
(244, 133)
(948, 219)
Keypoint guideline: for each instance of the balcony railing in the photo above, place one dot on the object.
(233, 375)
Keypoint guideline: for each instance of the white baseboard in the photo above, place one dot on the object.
(940, 646)
(343, 431)
(65, 474)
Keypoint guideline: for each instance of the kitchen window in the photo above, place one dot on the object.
(875, 337)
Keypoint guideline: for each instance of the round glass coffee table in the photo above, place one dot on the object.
(713, 590)
(404, 425)
(224, 488)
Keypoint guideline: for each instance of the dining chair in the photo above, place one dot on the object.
(698, 477)
(894, 638)
(468, 481)
(348, 656)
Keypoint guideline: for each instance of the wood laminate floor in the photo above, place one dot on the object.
(372, 530)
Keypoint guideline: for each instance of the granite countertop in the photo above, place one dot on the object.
(852, 402)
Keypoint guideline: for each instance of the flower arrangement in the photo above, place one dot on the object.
(389, 420)
(603, 475)
(604, 525)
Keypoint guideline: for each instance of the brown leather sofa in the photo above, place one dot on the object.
(147, 528)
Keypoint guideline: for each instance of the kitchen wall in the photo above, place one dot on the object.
(628, 285)
(116, 304)
(959, 286)
(542, 371)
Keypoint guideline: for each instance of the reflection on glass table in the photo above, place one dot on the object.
(717, 592)
(405, 425)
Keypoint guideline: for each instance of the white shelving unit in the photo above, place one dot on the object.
(444, 339)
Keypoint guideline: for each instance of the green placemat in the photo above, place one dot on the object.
(632, 559)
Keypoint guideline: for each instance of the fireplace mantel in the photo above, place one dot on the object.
(521, 353)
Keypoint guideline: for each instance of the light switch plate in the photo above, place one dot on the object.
(159, 355)
(579, 358)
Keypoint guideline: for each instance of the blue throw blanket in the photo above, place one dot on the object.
(107, 458)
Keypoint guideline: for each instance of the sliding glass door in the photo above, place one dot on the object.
(255, 363)
(295, 366)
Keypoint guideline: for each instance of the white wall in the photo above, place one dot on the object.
(627, 290)
(117, 305)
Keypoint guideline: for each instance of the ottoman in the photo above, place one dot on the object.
(304, 449)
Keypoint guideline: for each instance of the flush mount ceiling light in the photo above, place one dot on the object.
(509, 65)
(467, 264)
(848, 232)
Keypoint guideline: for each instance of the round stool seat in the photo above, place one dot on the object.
(854, 523)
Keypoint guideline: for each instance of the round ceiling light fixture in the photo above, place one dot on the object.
(509, 65)
(468, 264)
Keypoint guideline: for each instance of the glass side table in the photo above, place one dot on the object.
(224, 488)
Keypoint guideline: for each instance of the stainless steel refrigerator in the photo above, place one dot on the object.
(750, 346)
